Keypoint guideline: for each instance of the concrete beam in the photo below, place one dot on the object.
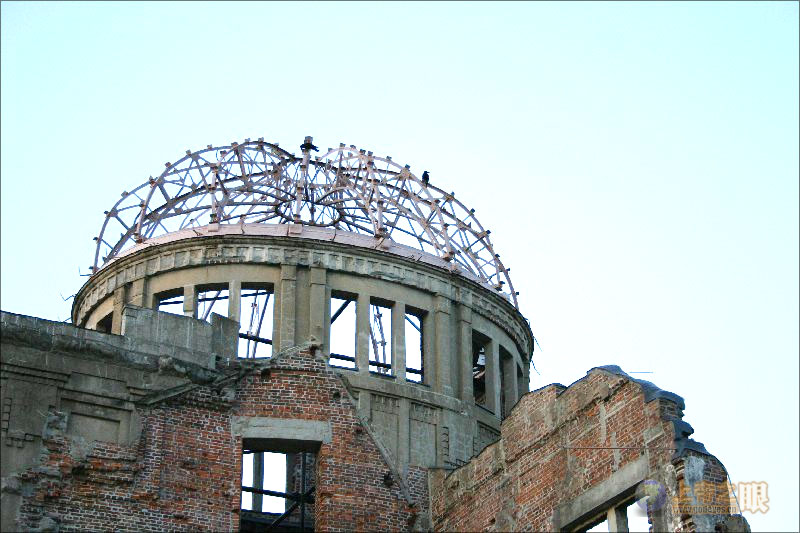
(399, 341)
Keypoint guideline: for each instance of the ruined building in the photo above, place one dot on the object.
(320, 342)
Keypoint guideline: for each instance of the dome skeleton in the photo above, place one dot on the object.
(344, 188)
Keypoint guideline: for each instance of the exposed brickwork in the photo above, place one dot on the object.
(185, 471)
(560, 443)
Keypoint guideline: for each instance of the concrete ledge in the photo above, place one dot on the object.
(260, 427)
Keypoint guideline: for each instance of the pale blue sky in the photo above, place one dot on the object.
(637, 164)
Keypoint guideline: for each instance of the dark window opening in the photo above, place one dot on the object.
(257, 309)
(480, 345)
(415, 357)
(278, 484)
(380, 332)
(343, 330)
(170, 302)
(104, 324)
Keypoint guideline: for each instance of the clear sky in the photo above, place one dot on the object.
(637, 164)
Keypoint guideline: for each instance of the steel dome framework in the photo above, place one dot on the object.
(345, 188)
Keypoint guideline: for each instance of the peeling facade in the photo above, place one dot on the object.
(197, 351)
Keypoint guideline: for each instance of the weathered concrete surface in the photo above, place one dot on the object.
(95, 379)
(180, 469)
(432, 423)
(569, 457)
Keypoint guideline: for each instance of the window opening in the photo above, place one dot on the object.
(212, 299)
(414, 347)
(380, 352)
(480, 345)
(255, 326)
(277, 490)
(104, 324)
(343, 331)
(631, 516)
(170, 302)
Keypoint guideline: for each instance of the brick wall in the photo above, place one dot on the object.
(184, 472)
(565, 453)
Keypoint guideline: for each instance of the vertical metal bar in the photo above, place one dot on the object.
(260, 320)
(258, 480)
(302, 491)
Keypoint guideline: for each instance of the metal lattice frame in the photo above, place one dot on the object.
(346, 188)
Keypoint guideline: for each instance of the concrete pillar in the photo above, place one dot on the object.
(510, 389)
(522, 386)
(326, 348)
(404, 436)
(429, 349)
(258, 479)
(119, 296)
(444, 347)
(399, 341)
(286, 312)
(137, 292)
(524, 382)
(618, 520)
(493, 377)
(467, 393)
(319, 306)
(362, 333)
(190, 301)
(235, 300)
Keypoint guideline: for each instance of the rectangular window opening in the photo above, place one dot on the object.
(631, 516)
(212, 299)
(257, 309)
(277, 491)
(104, 324)
(343, 330)
(380, 337)
(415, 359)
(170, 302)
(480, 345)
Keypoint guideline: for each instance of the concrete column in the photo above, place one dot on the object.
(510, 382)
(319, 306)
(465, 354)
(429, 349)
(618, 520)
(326, 348)
(119, 296)
(444, 347)
(524, 382)
(399, 341)
(235, 300)
(362, 333)
(403, 436)
(365, 404)
(493, 377)
(190, 301)
(286, 312)
(258, 479)
(137, 292)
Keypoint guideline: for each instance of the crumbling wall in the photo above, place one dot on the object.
(568, 455)
(179, 469)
